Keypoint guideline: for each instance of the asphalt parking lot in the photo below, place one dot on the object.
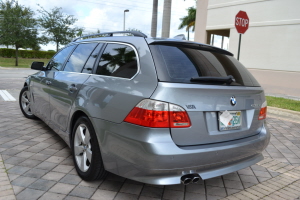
(36, 164)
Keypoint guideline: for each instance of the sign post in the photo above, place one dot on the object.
(241, 25)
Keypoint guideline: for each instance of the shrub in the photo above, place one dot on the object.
(11, 53)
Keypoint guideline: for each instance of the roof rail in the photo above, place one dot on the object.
(111, 34)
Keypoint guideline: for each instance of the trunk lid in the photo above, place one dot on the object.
(203, 104)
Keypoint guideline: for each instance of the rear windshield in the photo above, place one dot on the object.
(179, 64)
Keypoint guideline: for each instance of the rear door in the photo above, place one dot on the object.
(192, 78)
(67, 83)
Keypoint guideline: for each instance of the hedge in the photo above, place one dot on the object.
(11, 53)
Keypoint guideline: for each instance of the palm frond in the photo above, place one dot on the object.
(189, 20)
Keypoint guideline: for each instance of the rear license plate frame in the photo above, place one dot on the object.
(235, 122)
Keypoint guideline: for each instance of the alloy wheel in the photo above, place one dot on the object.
(25, 102)
(83, 148)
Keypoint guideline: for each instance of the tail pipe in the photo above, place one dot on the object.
(190, 178)
(196, 178)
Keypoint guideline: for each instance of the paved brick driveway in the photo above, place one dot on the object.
(36, 164)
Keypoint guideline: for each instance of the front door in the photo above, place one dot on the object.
(39, 88)
(42, 81)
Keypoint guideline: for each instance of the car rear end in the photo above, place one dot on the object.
(209, 84)
(206, 118)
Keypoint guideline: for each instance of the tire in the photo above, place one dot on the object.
(86, 151)
(24, 102)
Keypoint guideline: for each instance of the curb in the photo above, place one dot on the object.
(283, 113)
(284, 96)
(13, 68)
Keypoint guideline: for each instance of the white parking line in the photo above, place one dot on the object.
(6, 96)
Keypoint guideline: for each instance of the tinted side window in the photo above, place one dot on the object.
(118, 60)
(56, 63)
(178, 64)
(91, 61)
(79, 57)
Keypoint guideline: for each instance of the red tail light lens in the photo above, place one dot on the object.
(149, 113)
(178, 117)
(157, 114)
(263, 111)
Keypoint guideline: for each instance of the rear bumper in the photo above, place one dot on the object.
(150, 155)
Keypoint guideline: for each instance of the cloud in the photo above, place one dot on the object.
(108, 15)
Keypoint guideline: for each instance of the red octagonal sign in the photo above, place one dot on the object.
(241, 22)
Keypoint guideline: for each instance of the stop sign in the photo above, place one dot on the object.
(241, 22)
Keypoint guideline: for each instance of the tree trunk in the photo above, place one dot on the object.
(154, 19)
(57, 45)
(166, 21)
(188, 34)
(17, 48)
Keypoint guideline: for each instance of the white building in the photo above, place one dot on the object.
(270, 48)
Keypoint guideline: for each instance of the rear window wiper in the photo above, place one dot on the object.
(228, 79)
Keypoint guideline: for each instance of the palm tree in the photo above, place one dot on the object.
(154, 19)
(166, 20)
(189, 20)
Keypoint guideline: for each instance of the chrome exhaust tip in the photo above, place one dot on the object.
(186, 179)
(196, 178)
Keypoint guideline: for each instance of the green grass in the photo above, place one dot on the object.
(283, 103)
(23, 62)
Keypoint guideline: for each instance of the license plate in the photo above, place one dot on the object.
(234, 123)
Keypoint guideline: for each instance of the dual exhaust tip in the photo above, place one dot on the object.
(190, 178)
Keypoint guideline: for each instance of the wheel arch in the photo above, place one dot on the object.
(74, 118)
(27, 81)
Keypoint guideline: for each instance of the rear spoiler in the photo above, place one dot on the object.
(192, 45)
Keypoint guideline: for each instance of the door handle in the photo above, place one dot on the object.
(48, 82)
(72, 88)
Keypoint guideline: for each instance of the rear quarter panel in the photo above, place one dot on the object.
(112, 98)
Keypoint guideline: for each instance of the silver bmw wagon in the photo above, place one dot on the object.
(155, 110)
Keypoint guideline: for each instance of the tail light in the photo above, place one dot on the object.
(178, 117)
(263, 111)
(157, 114)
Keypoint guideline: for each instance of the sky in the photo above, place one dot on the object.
(108, 15)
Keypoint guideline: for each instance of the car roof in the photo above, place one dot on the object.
(151, 41)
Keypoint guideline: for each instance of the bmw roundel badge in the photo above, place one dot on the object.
(233, 101)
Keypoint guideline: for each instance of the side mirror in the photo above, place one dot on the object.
(37, 66)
